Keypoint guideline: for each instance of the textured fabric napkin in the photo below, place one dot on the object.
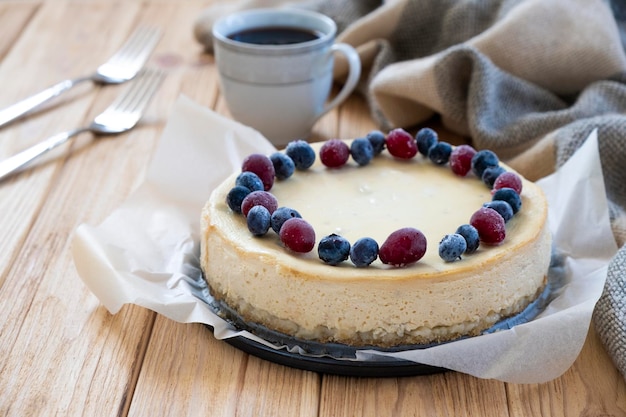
(529, 79)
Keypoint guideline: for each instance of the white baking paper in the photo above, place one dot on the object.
(140, 254)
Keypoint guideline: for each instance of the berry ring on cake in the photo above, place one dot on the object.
(381, 241)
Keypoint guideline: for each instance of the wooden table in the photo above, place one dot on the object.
(62, 353)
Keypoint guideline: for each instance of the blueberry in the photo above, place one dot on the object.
(258, 220)
(482, 160)
(250, 180)
(490, 174)
(510, 196)
(364, 252)
(440, 152)
(502, 207)
(301, 153)
(452, 247)
(377, 139)
(281, 215)
(362, 151)
(333, 249)
(470, 233)
(283, 165)
(425, 138)
(235, 197)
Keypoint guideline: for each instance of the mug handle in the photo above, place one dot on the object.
(354, 73)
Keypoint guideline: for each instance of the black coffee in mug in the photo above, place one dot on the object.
(275, 35)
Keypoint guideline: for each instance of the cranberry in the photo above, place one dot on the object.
(259, 198)
(334, 153)
(461, 159)
(401, 144)
(298, 235)
(490, 226)
(262, 166)
(508, 180)
(403, 247)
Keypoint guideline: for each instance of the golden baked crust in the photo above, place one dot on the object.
(426, 302)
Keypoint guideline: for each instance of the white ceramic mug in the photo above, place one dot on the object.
(280, 89)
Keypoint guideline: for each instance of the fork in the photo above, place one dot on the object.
(121, 67)
(122, 115)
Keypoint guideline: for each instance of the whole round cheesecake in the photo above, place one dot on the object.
(427, 301)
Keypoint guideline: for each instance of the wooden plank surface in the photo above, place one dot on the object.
(62, 353)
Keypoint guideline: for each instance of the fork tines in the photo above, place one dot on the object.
(138, 47)
(140, 91)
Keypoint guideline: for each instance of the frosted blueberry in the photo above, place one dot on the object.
(452, 247)
(283, 165)
(439, 153)
(250, 180)
(482, 160)
(377, 139)
(425, 138)
(281, 215)
(258, 220)
(362, 151)
(333, 249)
(364, 252)
(502, 207)
(470, 234)
(301, 153)
(235, 197)
(490, 174)
(510, 196)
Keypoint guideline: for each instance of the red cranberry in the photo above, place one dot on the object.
(490, 226)
(297, 235)
(334, 153)
(461, 159)
(508, 180)
(401, 144)
(259, 198)
(403, 247)
(262, 166)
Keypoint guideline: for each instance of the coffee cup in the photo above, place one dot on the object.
(276, 69)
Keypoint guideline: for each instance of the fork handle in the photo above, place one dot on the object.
(26, 105)
(13, 163)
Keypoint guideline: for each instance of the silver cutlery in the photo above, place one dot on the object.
(121, 67)
(122, 115)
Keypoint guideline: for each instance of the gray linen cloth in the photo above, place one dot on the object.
(529, 79)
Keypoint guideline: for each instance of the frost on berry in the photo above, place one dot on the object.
(333, 249)
(301, 153)
(284, 166)
(402, 247)
(334, 153)
(362, 151)
(281, 215)
(259, 198)
(490, 226)
(235, 197)
(508, 180)
(401, 144)
(482, 160)
(262, 166)
(451, 247)
(377, 139)
(258, 220)
(297, 235)
(461, 159)
(425, 139)
(364, 252)
(510, 196)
